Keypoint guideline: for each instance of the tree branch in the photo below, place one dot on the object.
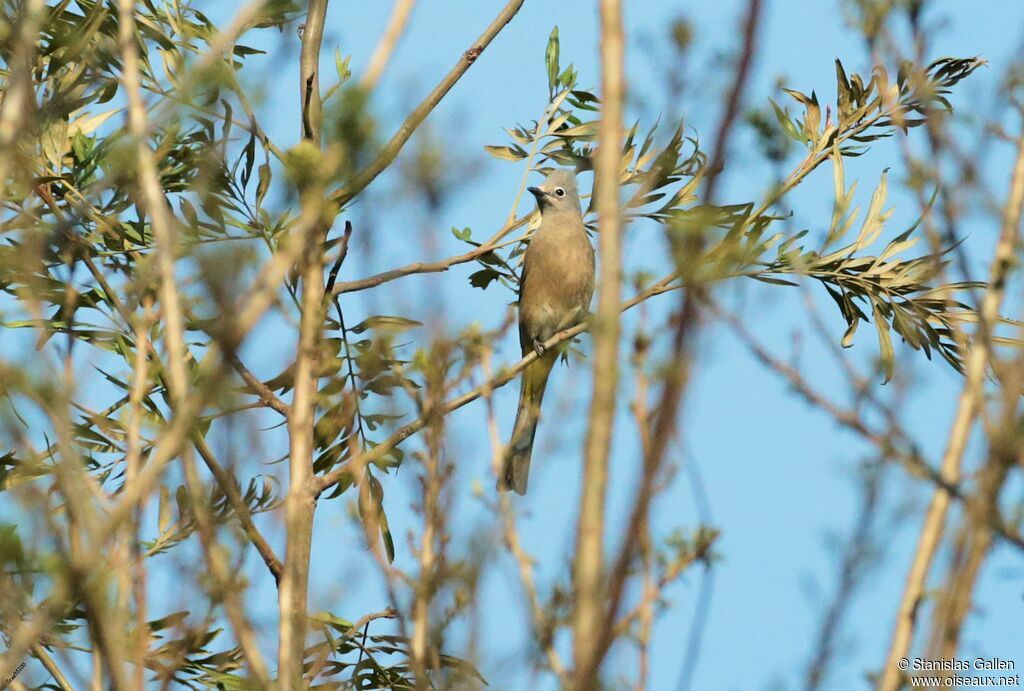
(416, 118)
(431, 267)
(588, 573)
(309, 71)
(388, 42)
(300, 503)
(227, 484)
(39, 652)
(977, 360)
(503, 377)
(687, 320)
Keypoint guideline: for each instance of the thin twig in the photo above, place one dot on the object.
(140, 389)
(432, 267)
(541, 619)
(416, 118)
(18, 94)
(224, 585)
(976, 363)
(39, 652)
(388, 42)
(226, 481)
(503, 377)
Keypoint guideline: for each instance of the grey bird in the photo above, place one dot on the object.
(555, 288)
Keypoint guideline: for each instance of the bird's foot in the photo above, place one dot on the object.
(539, 348)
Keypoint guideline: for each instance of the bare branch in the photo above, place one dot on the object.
(309, 71)
(18, 96)
(541, 620)
(227, 484)
(139, 390)
(432, 267)
(416, 118)
(588, 572)
(300, 503)
(977, 360)
(39, 652)
(155, 203)
(686, 320)
(225, 586)
(388, 42)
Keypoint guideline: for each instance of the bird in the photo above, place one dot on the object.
(555, 289)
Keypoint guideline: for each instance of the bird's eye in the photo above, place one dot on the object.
(559, 192)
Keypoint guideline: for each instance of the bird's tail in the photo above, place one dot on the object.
(516, 464)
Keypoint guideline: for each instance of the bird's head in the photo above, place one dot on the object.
(558, 192)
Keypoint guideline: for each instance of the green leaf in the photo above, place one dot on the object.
(332, 620)
(886, 354)
(785, 122)
(772, 280)
(462, 668)
(876, 217)
(567, 79)
(385, 323)
(812, 118)
(481, 279)
(341, 66)
(843, 91)
(249, 155)
(88, 123)
(850, 331)
(243, 51)
(189, 212)
(509, 153)
(171, 621)
(586, 130)
(843, 198)
(264, 183)
(389, 542)
(551, 60)
(56, 142)
(11, 550)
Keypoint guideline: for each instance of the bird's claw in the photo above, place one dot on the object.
(539, 348)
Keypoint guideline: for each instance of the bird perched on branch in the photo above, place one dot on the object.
(555, 288)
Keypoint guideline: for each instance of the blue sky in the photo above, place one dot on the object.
(779, 477)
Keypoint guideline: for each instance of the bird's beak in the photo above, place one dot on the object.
(536, 192)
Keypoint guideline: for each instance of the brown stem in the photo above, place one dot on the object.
(140, 389)
(588, 574)
(976, 535)
(224, 586)
(309, 70)
(267, 397)
(429, 267)
(431, 551)
(39, 652)
(976, 363)
(300, 502)
(18, 94)
(226, 481)
(543, 624)
(687, 320)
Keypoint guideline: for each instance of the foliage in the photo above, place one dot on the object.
(79, 263)
(663, 184)
(76, 261)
